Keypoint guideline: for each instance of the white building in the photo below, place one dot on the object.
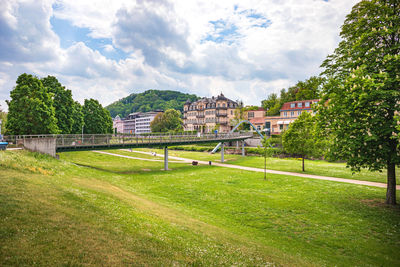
(135, 123)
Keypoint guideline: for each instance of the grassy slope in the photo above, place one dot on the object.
(115, 211)
(317, 167)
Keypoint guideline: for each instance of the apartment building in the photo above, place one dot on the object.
(207, 114)
(135, 123)
(257, 118)
(288, 113)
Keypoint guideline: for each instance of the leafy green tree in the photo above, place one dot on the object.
(300, 138)
(62, 103)
(309, 89)
(268, 152)
(77, 116)
(31, 110)
(97, 120)
(239, 115)
(169, 121)
(272, 104)
(362, 96)
(3, 119)
(157, 125)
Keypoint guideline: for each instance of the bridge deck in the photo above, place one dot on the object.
(79, 142)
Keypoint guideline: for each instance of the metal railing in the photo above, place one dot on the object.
(85, 140)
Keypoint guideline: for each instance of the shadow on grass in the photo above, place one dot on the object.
(144, 170)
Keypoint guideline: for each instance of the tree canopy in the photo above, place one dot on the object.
(97, 120)
(31, 110)
(362, 92)
(62, 103)
(150, 100)
(300, 138)
(169, 121)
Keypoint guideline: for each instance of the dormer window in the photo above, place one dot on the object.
(307, 104)
(293, 105)
(300, 105)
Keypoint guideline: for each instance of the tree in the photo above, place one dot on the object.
(97, 120)
(77, 116)
(362, 92)
(268, 152)
(169, 121)
(272, 104)
(3, 119)
(62, 103)
(31, 110)
(299, 138)
(240, 115)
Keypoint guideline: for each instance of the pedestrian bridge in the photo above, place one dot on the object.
(51, 144)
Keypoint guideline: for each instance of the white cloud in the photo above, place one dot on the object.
(266, 45)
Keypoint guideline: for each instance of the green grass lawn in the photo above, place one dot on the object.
(96, 209)
(317, 167)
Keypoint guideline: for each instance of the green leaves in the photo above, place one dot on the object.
(361, 96)
(97, 120)
(31, 108)
(148, 101)
(169, 121)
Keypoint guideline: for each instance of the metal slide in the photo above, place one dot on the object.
(234, 128)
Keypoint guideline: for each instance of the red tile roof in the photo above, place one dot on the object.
(257, 120)
(286, 106)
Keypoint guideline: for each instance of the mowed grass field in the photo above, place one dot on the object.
(94, 209)
(316, 167)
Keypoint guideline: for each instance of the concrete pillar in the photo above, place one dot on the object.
(166, 158)
(243, 151)
(222, 152)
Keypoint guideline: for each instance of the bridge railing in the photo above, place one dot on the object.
(71, 140)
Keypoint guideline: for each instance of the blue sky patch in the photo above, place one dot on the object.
(70, 34)
(224, 32)
(258, 19)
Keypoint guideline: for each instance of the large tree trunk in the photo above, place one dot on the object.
(303, 163)
(391, 184)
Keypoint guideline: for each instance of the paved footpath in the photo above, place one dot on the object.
(310, 176)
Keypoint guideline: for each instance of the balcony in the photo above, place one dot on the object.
(221, 114)
(219, 108)
(200, 116)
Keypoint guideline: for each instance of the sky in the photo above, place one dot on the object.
(108, 49)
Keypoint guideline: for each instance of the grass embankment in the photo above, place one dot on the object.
(316, 167)
(114, 211)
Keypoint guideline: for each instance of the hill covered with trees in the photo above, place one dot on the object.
(150, 100)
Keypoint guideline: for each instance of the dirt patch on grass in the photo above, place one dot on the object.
(378, 203)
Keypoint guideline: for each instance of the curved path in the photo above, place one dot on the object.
(310, 176)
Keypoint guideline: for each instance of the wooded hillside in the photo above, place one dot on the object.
(150, 100)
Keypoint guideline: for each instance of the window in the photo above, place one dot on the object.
(307, 104)
(293, 105)
(258, 127)
(299, 112)
(285, 114)
(292, 113)
(223, 104)
(281, 126)
(300, 105)
(231, 112)
(251, 115)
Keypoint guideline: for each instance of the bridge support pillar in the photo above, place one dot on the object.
(222, 152)
(166, 158)
(243, 151)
